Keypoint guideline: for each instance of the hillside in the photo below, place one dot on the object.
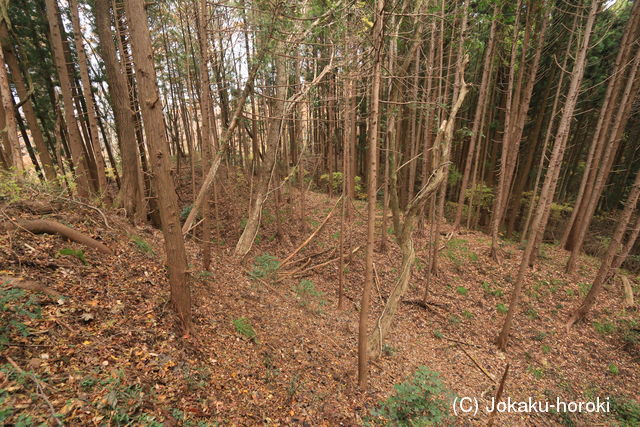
(270, 347)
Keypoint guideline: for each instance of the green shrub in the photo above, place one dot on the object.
(501, 308)
(243, 327)
(142, 245)
(421, 400)
(307, 292)
(264, 266)
(15, 309)
(626, 411)
(79, 254)
(462, 290)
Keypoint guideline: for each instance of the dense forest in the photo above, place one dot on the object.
(270, 212)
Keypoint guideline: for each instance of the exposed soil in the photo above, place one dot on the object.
(110, 352)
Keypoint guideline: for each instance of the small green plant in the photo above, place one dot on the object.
(613, 369)
(546, 349)
(540, 336)
(462, 290)
(142, 245)
(293, 386)
(272, 371)
(264, 266)
(488, 290)
(307, 292)
(438, 334)
(457, 250)
(604, 328)
(79, 254)
(468, 314)
(536, 372)
(88, 382)
(421, 400)
(204, 275)
(453, 319)
(584, 289)
(502, 309)
(243, 327)
(531, 313)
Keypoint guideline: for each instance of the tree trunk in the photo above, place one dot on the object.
(131, 195)
(546, 196)
(151, 107)
(27, 105)
(372, 174)
(75, 140)
(9, 133)
(88, 98)
(264, 170)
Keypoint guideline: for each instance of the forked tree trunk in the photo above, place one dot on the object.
(265, 168)
(404, 230)
(551, 180)
(151, 107)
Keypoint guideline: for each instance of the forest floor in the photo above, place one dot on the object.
(271, 347)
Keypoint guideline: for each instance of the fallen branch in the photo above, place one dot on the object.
(40, 386)
(42, 226)
(19, 282)
(311, 237)
(322, 264)
(475, 361)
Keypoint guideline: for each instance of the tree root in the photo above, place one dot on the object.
(40, 226)
(18, 282)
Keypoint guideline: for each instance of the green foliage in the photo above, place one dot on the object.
(613, 369)
(457, 250)
(468, 314)
(75, 253)
(438, 334)
(243, 327)
(10, 189)
(536, 372)
(462, 290)
(264, 266)
(488, 290)
(142, 245)
(627, 411)
(584, 288)
(502, 309)
(335, 181)
(421, 400)
(454, 175)
(307, 292)
(15, 310)
(481, 194)
(604, 328)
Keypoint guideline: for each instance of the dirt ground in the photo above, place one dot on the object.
(271, 347)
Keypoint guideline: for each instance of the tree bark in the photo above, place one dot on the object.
(151, 107)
